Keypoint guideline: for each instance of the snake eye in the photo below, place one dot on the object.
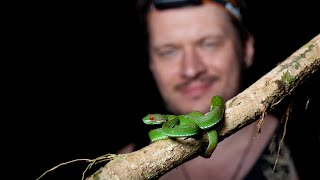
(151, 118)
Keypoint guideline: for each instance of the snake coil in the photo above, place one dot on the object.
(187, 125)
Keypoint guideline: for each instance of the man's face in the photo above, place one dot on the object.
(195, 54)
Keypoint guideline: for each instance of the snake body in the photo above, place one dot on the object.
(187, 125)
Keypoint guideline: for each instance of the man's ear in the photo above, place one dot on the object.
(249, 51)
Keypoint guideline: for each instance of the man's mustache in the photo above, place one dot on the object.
(204, 79)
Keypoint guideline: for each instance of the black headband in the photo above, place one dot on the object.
(167, 4)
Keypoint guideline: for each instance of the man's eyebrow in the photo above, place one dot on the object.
(161, 46)
(158, 47)
(212, 36)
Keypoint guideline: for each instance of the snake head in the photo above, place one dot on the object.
(152, 119)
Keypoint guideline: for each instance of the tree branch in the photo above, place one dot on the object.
(156, 159)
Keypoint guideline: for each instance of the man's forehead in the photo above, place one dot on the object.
(175, 29)
(204, 15)
(201, 10)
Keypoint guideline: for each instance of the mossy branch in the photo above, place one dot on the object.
(156, 159)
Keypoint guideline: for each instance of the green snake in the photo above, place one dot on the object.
(186, 125)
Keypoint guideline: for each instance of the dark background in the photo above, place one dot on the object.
(81, 87)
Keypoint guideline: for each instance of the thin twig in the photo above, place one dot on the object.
(283, 134)
(93, 161)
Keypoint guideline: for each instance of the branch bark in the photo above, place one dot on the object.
(156, 159)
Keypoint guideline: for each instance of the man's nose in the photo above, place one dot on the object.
(192, 64)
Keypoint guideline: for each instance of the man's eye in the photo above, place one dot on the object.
(167, 52)
(208, 44)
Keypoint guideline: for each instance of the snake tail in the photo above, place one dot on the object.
(213, 141)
